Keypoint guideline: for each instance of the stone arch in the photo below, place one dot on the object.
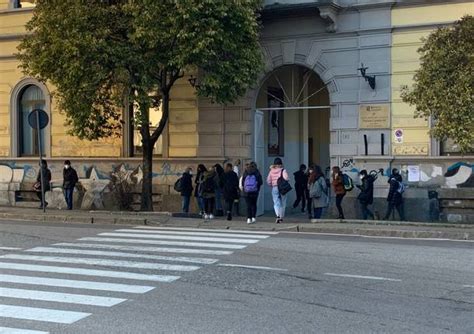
(14, 113)
(288, 54)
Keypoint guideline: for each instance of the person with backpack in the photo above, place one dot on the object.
(339, 189)
(201, 169)
(230, 188)
(318, 192)
(250, 185)
(301, 184)
(395, 195)
(185, 187)
(207, 190)
(277, 179)
(69, 182)
(366, 196)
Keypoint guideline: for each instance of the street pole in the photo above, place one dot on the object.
(38, 129)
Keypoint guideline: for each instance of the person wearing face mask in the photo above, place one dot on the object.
(69, 182)
(395, 197)
(186, 189)
(366, 196)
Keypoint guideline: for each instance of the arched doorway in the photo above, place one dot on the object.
(292, 122)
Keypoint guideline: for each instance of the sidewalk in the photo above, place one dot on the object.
(295, 224)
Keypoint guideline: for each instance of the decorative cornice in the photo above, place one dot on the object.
(328, 13)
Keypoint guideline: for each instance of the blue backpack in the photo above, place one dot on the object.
(347, 182)
(250, 184)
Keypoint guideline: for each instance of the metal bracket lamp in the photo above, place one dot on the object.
(369, 78)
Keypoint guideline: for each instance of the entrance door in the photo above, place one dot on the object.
(259, 156)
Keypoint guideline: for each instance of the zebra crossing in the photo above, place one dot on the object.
(38, 284)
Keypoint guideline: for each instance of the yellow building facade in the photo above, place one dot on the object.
(312, 53)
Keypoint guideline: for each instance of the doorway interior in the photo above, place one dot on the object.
(291, 122)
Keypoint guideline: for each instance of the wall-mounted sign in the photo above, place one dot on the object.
(374, 116)
(398, 136)
(413, 173)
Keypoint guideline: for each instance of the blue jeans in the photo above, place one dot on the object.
(366, 213)
(219, 199)
(200, 203)
(279, 203)
(318, 212)
(68, 192)
(185, 203)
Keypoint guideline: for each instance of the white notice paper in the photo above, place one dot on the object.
(413, 173)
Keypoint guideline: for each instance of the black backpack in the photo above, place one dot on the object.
(178, 185)
(284, 187)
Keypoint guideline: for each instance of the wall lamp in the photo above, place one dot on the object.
(193, 81)
(369, 78)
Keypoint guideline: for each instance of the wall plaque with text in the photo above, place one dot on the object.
(374, 116)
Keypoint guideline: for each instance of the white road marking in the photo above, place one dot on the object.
(60, 297)
(41, 314)
(121, 254)
(101, 262)
(364, 277)
(9, 248)
(250, 267)
(9, 330)
(147, 249)
(376, 237)
(468, 286)
(87, 272)
(177, 237)
(202, 234)
(163, 242)
(75, 284)
(201, 229)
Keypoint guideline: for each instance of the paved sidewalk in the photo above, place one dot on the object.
(296, 224)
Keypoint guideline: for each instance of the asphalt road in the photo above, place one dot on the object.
(75, 278)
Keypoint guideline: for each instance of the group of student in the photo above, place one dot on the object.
(218, 185)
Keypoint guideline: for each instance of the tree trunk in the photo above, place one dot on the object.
(147, 189)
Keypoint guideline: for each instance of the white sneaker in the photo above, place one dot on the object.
(211, 216)
(249, 221)
(254, 220)
(206, 217)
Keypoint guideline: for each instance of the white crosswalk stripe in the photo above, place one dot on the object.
(191, 233)
(146, 249)
(101, 262)
(121, 254)
(75, 284)
(178, 237)
(9, 330)
(41, 314)
(162, 242)
(203, 230)
(118, 253)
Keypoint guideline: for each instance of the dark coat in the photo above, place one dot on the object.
(197, 183)
(46, 178)
(366, 195)
(230, 185)
(301, 181)
(69, 178)
(187, 184)
(252, 171)
(211, 178)
(394, 196)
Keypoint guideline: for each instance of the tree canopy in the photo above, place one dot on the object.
(102, 55)
(443, 86)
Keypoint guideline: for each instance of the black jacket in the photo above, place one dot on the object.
(301, 180)
(252, 171)
(230, 185)
(394, 196)
(46, 178)
(69, 178)
(187, 184)
(366, 195)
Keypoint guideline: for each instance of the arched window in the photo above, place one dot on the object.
(30, 98)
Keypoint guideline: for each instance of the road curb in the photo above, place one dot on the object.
(361, 228)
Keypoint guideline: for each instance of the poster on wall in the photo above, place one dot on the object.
(413, 173)
(275, 99)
